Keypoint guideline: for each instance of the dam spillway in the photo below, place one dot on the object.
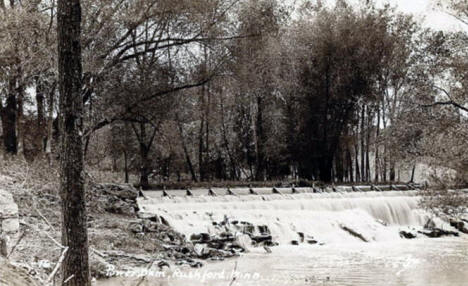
(376, 215)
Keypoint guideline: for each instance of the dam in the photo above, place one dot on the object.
(376, 215)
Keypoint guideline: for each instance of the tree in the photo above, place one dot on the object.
(75, 267)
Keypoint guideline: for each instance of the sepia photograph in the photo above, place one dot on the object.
(233, 143)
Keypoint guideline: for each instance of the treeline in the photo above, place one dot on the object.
(228, 90)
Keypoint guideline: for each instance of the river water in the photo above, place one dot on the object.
(341, 259)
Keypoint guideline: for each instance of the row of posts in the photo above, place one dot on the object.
(409, 186)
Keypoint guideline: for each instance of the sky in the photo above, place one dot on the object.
(427, 12)
(424, 10)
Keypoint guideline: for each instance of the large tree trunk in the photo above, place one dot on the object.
(75, 267)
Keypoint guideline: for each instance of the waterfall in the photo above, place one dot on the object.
(377, 216)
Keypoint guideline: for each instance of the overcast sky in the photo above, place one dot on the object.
(426, 11)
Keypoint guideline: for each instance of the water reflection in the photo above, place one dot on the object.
(421, 262)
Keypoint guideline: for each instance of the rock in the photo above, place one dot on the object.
(261, 238)
(149, 216)
(126, 192)
(301, 236)
(430, 224)
(200, 238)
(294, 242)
(217, 258)
(99, 267)
(150, 226)
(201, 250)
(312, 241)
(135, 227)
(3, 246)
(407, 234)
(244, 241)
(161, 264)
(382, 222)
(118, 206)
(437, 232)
(45, 264)
(263, 229)
(10, 226)
(9, 222)
(216, 244)
(353, 233)
(459, 225)
(196, 264)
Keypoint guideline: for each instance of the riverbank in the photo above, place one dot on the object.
(112, 218)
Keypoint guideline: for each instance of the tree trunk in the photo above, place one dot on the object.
(144, 157)
(201, 166)
(356, 160)
(126, 166)
(377, 135)
(50, 125)
(368, 140)
(184, 146)
(9, 124)
(75, 267)
(260, 142)
(350, 165)
(326, 169)
(413, 171)
(362, 134)
(19, 120)
(126, 148)
(40, 140)
(145, 168)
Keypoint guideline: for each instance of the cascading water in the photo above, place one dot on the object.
(376, 216)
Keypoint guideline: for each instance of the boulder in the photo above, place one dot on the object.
(201, 250)
(353, 233)
(437, 232)
(9, 222)
(263, 229)
(135, 227)
(261, 238)
(312, 241)
(459, 225)
(3, 246)
(301, 236)
(200, 238)
(244, 241)
(118, 206)
(125, 192)
(407, 234)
